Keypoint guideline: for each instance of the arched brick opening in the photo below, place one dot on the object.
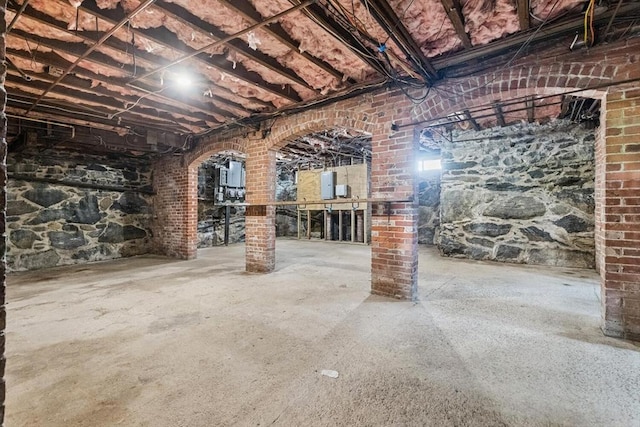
(394, 229)
(261, 174)
(176, 202)
(596, 74)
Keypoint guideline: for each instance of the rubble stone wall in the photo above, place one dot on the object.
(429, 207)
(522, 193)
(69, 208)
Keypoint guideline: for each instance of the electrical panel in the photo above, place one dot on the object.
(230, 183)
(327, 185)
(235, 174)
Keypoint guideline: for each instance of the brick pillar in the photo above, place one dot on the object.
(618, 214)
(394, 230)
(260, 221)
(3, 202)
(175, 208)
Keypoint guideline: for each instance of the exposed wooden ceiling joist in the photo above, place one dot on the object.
(248, 12)
(325, 21)
(168, 39)
(523, 14)
(454, 12)
(119, 24)
(391, 23)
(196, 24)
(531, 36)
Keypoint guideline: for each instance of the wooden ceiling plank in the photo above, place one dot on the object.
(168, 39)
(116, 26)
(348, 40)
(248, 12)
(80, 84)
(52, 59)
(103, 104)
(454, 12)
(553, 30)
(386, 17)
(195, 23)
(20, 100)
(117, 45)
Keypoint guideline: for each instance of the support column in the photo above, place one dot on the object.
(3, 202)
(176, 208)
(618, 214)
(260, 224)
(394, 231)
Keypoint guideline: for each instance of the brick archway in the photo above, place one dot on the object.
(394, 234)
(175, 181)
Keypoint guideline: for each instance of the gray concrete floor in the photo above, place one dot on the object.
(152, 342)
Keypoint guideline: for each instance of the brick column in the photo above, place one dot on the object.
(3, 202)
(260, 221)
(394, 230)
(618, 214)
(175, 208)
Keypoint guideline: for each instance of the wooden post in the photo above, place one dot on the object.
(353, 226)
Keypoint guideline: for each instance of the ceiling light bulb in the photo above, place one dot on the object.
(184, 80)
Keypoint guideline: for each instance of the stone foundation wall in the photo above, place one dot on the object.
(211, 224)
(429, 207)
(522, 194)
(68, 208)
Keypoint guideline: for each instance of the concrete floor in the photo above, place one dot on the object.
(153, 342)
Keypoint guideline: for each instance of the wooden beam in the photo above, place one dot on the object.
(386, 17)
(515, 40)
(185, 17)
(531, 105)
(101, 107)
(112, 43)
(77, 87)
(471, 120)
(454, 11)
(164, 37)
(348, 40)
(248, 12)
(499, 114)
(523, 14)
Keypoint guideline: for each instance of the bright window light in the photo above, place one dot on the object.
(429, 165)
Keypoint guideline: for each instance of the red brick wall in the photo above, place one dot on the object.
(551, 72)
(260, 222)
(394, 229)
(175, 208)
(621, 222)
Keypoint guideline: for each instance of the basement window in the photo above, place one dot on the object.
(429, 165)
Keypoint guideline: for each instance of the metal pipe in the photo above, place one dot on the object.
(521, 100)
(47, 122)
(225, 40)
(17, 16)
(88, 52)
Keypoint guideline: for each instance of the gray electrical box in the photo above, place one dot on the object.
(327, 185)
(342, 190)
(235, 174)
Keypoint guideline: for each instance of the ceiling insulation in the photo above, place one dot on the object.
(248, 60)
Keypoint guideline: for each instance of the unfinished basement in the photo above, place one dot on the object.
(320, 212)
